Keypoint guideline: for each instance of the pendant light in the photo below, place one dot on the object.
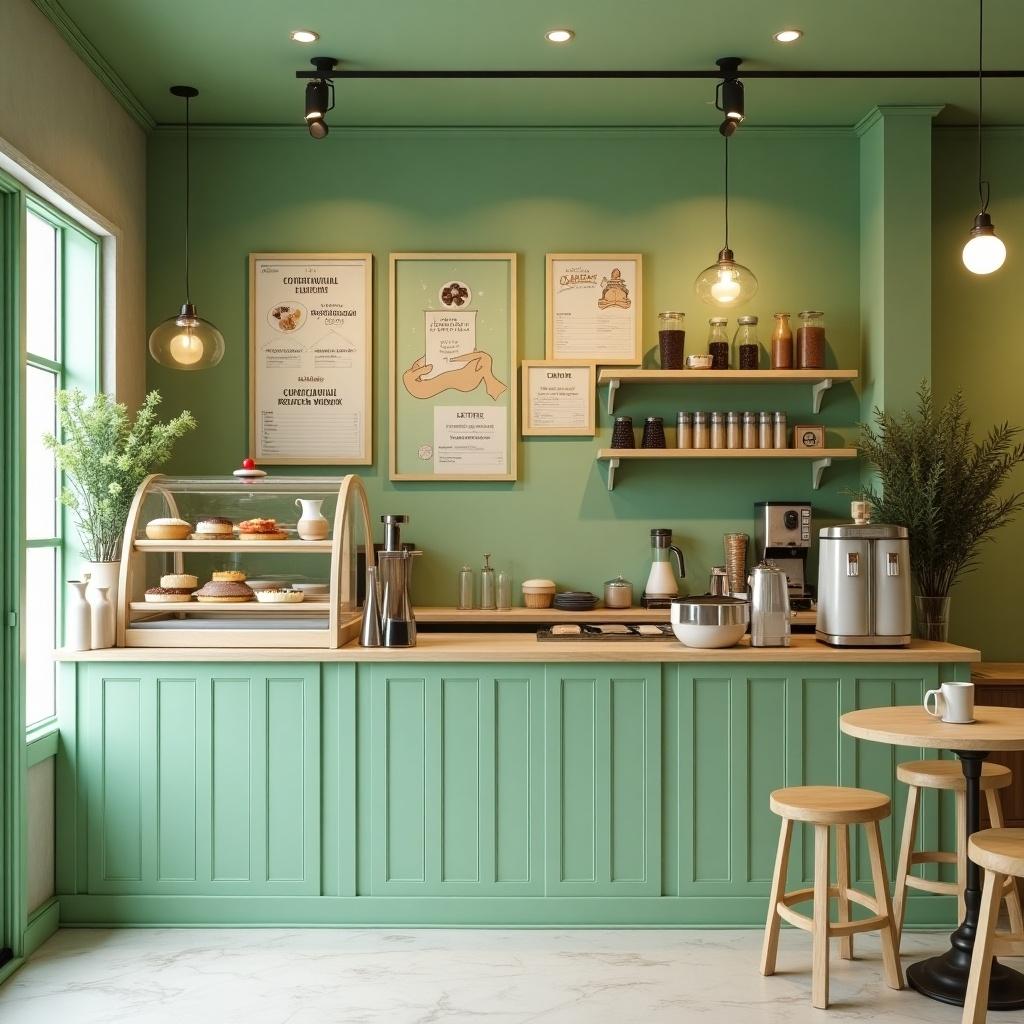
(186, 341)
(726, 284)
(984, 252)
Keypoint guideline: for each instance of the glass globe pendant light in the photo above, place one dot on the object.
(726, 284)
(984, 252)
(186, 341)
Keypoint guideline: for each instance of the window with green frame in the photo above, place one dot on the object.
(62, 331)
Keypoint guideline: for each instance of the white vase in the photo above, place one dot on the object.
(102, 597)
(312, 525)
(77, 618)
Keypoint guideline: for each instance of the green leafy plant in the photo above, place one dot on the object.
(944, 486)
(104, 455)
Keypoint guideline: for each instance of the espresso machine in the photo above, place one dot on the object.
(782, 534)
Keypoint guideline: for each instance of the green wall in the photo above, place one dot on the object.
(978, 346)
(795, 222)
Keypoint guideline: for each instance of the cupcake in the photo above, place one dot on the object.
(224, 593)
(179, 581)
(215, 528)
(228, 576)
(168, 595)
(168, 528)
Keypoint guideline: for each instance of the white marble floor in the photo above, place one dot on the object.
(276, 976)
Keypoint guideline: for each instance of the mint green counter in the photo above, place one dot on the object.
(342, 791)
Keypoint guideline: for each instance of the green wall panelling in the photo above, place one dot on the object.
(201, 779)
(339, 750)
(603, 780)
(455, 781)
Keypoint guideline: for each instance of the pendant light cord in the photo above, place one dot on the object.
(983, 186)
(188, 196)
(726, 191)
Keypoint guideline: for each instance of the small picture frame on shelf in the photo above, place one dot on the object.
(808, 435)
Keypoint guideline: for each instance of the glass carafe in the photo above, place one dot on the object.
(663, 581)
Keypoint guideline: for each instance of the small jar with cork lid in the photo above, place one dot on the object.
(810, 340)
(748, 348)
(718, 343)
(671, 339)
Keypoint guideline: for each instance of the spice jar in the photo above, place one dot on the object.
(748, 349)
(504, 590)
(779, 430)
(717, 430)
(618, 593)
(622, 433)
(684, 430)
(733, 430)
(671, 339)
(654, 433)
(764, 430)
(810, 340)
(749, 430)
(782, 343)
(487, 589)
(718, 343)
(700, 430)
(465, 588)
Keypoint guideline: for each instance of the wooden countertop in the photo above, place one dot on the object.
(543, 616)
(524, 647)
(998, 673)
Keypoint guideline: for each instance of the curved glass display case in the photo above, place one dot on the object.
(242, 540)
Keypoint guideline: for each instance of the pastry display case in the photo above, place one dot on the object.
(274, 561)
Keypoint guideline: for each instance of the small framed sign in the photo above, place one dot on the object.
(808, 435)
(594, 308)
(559, 399)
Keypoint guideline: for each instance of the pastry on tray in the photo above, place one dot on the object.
(168, 595)
(214, 528)
(228, 576)
(179, 581)
(224, 593)
(168, 528)
(279, 596)
(260, 529)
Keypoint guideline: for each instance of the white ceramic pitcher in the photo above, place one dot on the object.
(312, 524)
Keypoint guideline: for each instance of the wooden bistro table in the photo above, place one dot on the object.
(994, 728)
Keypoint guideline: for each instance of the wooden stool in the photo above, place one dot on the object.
(1000, 852)
(947, 775)
(824, 806)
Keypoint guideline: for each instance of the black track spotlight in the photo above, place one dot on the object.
(320, 97)
(729, 95)
(318, 129)
(728, 128)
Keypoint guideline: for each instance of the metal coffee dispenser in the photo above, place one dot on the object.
(388, 618)
(782, 535)
(864, 584)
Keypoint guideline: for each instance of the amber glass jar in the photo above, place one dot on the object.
(782, 343)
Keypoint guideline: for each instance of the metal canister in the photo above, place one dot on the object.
(618, 593)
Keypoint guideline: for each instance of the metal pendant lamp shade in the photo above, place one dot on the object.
(186, 341)
(726, 284)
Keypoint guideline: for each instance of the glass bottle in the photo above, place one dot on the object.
(717, 430)
(810, 340)
(465, 588)
(764, 430)
(779, 430)
(746, 345)
(504, 583)
(700, 430)
(684, 430)
(718, 343)
(750, 430)
(487, 595)
(782, 343)
(671, 339)
(733, 430)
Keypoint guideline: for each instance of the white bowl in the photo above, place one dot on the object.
(693, 635)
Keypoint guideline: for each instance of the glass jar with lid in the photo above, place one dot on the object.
(782, 343)
(750, 430)
(700, 430)
(746, 345)
(733, 430)
(684, 430)
(671, 339)
(718, 343)
(718, 430)
(810, 340)
(765, 437)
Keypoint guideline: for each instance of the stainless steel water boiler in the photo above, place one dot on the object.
(864, 585)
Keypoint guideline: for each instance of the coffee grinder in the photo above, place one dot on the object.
(782, 534)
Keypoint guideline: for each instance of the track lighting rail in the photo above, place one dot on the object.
(680, 73)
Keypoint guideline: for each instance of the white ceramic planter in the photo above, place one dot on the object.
(101, 594)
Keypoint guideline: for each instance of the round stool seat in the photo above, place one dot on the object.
(949, 775)
(999, 849)
(830, 805)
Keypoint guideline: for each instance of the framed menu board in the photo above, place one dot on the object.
(594, 308)
(452, 368)
(559, 399)
(310, 358)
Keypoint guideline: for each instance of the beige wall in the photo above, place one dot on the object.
(58, 115)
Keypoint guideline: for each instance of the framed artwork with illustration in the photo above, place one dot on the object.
(595, 308)
(452, 380)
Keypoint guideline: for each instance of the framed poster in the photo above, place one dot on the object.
(311, 358)
(558, 399)
(452, 370)
(594, 308)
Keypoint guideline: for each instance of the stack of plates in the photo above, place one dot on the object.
(575, 601)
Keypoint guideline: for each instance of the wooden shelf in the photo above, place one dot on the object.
(820, 458)
(819, 380)
(243, 607)
(249, 547)
(547, 616)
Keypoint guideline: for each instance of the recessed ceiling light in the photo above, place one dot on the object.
(305, 35)
(787, 35)
(560, 35)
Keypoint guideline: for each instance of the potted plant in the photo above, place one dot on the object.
(934, 478)
(104, 455)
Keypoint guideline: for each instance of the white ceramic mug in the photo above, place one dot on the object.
(954, 702)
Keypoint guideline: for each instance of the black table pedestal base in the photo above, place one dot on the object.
(945, 978)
